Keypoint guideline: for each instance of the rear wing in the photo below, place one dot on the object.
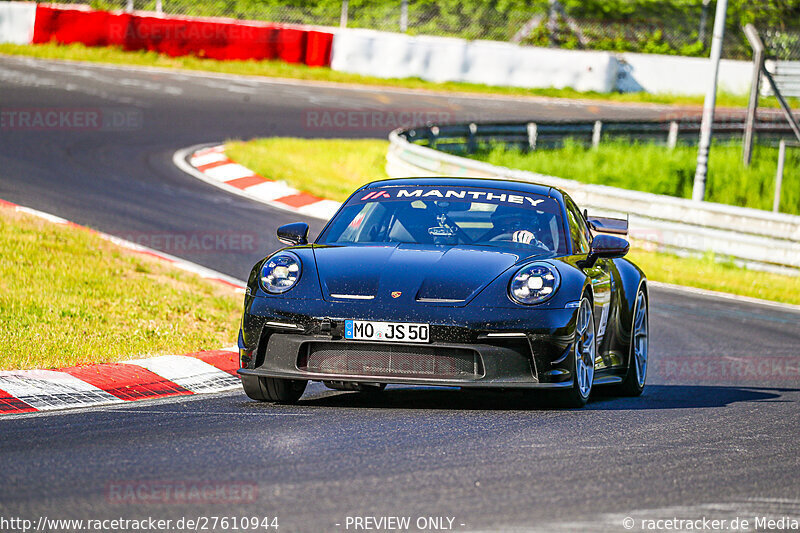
(617, 226)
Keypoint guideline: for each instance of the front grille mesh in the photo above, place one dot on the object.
(389, 360)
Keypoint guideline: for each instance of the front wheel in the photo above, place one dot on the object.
(584, 353)
(273, 389)
(635, 377)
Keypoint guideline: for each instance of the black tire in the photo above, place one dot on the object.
(252, 388)
(632, 385)
(273, 389)
(575, 396)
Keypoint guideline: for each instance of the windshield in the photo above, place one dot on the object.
(450, 216)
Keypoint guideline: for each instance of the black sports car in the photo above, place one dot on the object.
(448, 281)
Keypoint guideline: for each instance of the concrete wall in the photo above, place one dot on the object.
(396, 55)
(655, 73)
(16, 22)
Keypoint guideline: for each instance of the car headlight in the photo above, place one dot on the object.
(280, 273)
(534, 284)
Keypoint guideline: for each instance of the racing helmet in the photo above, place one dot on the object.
(509, 219)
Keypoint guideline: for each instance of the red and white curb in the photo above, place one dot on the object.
(213, 166)
(26, 391)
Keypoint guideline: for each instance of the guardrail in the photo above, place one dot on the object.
(467, 138)
(752, 237)
(787, 78)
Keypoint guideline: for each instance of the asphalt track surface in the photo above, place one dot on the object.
(715, 434)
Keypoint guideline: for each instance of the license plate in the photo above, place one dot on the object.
(365, 330)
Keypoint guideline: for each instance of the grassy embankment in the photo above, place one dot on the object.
(68, 297)
(334, 168)
(279, 69)
(653, 168)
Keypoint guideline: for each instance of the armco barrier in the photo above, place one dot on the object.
(786, 75)
(758, 239)
(176, 36)
(457, 138)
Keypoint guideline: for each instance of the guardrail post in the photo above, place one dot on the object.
(533, 134)
(597, 131)
(701, 34)
(472, 145)
(403, 16)
(758, 64)
(129, 6)
(779, 176)
(433, 134)
(672, 136)
(343, 15)
(709, 105)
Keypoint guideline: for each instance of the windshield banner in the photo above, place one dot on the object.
(456, 194)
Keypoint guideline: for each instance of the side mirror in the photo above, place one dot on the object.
(293, 234)
(605, 246)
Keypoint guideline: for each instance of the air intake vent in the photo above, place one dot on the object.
(359, 359)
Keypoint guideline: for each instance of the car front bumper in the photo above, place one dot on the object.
(470, 347)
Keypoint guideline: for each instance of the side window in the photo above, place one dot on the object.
(578, 231)
(367, 219)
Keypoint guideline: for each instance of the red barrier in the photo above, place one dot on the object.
(70, 26)
(319, 46)
(178, 36)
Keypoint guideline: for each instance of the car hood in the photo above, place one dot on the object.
(409, 272)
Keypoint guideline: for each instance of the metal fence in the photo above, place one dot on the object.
(670, 27)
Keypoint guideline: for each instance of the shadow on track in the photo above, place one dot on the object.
(655, 397)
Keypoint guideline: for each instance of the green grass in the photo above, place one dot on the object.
(279, 69)
(68, 297)
(334, 168)
(653, 168)
(708, 272)
(328, 168)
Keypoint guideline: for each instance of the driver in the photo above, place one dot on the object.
(515, 225)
